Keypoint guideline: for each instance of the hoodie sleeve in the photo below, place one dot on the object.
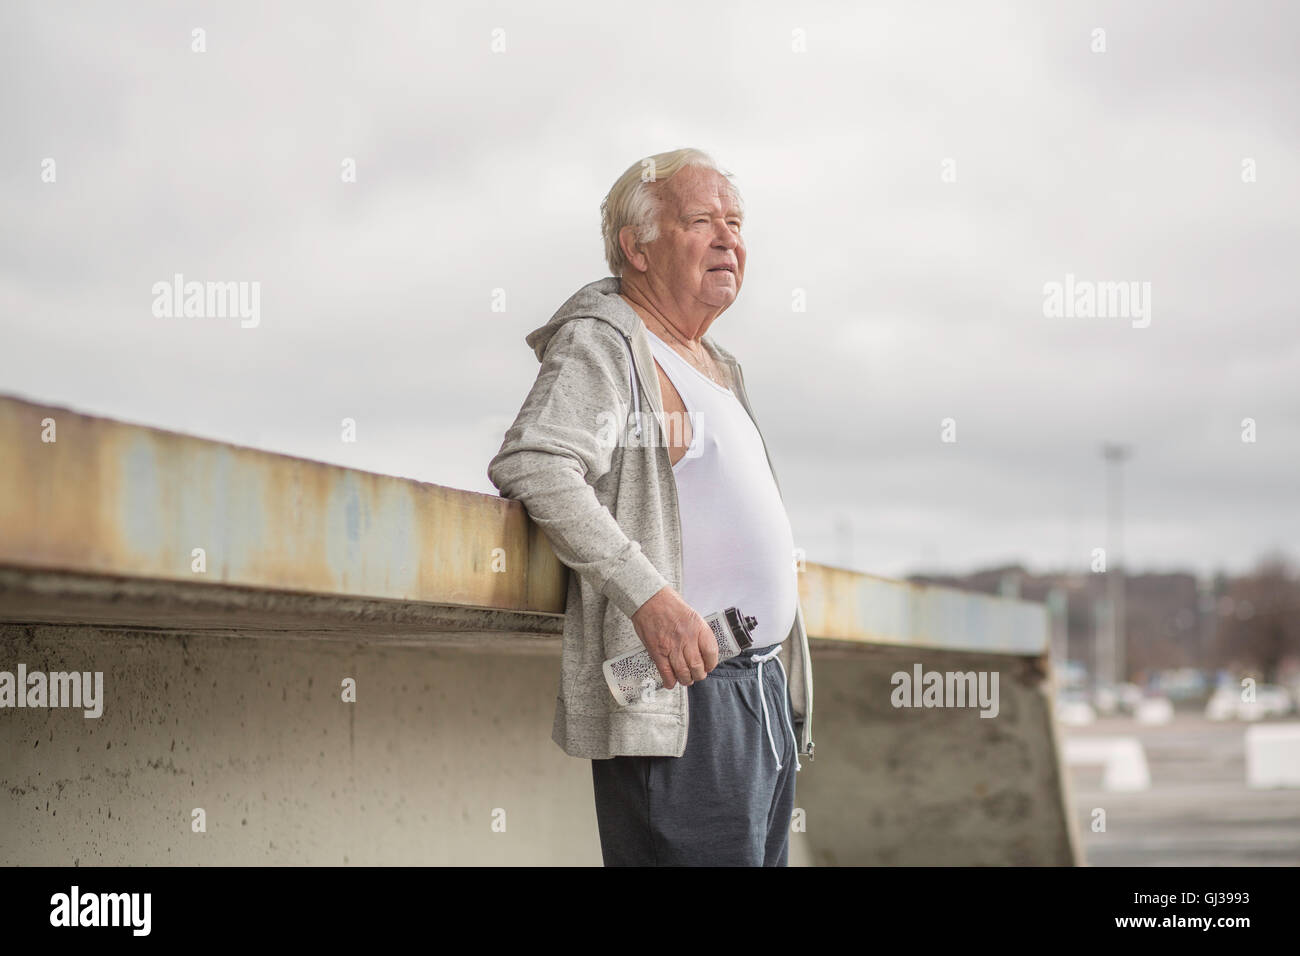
(554, 453)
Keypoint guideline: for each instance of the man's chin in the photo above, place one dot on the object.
(720, 297)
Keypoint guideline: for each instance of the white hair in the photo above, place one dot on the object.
(635, 200)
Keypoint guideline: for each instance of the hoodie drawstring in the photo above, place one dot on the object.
(636, 394)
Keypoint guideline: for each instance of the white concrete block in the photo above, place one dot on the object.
(1075, 713)
(1123, 761)
(1273, 756)
(1154, 710)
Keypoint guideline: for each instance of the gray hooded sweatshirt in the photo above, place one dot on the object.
(585, 459)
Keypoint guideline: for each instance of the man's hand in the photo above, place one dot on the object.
(680, 643)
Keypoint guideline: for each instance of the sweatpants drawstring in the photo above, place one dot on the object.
(762, 698)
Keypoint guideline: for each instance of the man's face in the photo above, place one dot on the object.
(700, 254)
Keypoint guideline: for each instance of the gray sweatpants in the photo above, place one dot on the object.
(724, 801)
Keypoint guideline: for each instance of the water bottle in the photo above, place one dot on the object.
(634, 674)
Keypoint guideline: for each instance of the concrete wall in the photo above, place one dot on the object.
(932, 787)
(223, 688)
(254, 732)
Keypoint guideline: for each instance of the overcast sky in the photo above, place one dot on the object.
(479, 170)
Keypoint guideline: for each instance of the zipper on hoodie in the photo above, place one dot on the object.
(677, 504)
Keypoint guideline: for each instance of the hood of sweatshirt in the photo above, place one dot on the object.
(601, 300)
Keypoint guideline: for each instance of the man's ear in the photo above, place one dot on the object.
(632, 250)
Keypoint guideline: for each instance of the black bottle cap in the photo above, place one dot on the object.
(740, 626)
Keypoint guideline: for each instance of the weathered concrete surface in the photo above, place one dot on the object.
(183, 607)
(852, 606)
(933, 786)
(223, 687)
(113, 498)
(255, 732)
(131, 503)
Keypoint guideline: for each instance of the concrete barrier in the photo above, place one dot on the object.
(330, 666)
(1123, 761)
(1154, 710)
(1273, 756)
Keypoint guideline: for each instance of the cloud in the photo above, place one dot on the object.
(479, 171)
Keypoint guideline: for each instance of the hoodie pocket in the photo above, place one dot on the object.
(585, 691)
(660, 702)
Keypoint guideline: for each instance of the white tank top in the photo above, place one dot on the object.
(737, 545)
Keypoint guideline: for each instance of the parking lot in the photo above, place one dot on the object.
(1198, 810)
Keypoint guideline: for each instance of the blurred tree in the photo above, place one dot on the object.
(1259, 619)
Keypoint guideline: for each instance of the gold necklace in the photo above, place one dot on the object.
(711, 376)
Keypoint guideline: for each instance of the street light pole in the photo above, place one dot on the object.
(1115, 456)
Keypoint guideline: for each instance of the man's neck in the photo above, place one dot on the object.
(686, 331)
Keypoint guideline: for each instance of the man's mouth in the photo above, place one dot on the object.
(723, 269)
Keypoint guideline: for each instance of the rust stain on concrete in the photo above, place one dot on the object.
(110, 497)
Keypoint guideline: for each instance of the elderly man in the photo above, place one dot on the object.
(662, 526)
